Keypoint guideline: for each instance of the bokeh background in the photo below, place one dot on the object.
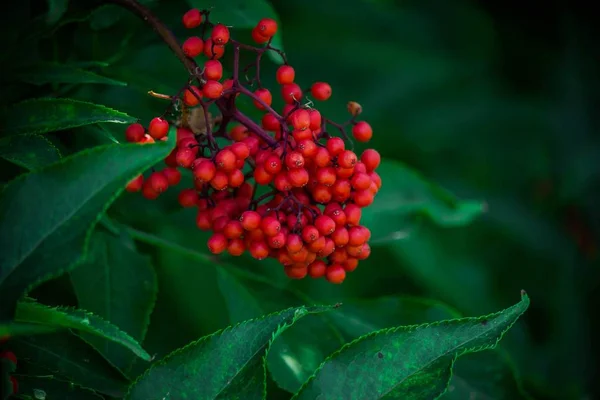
(492, 100)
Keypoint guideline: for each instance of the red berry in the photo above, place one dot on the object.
(220, 34)
(326, 225)
(220, 181)
(347, 159)
(192, 18)
(10, 356)
(236, 247)
(250, 220)
(267, 27)
(205, 171)
(321, 91)
(273, 164)
(148, 192)
(217, 243)
(296, 271)
(317, 269)
(213, 70)
(258, 37)
(185, 157)
(135, 185)
(226, 160)
(335, 274)
(259, 250)
(212, 89)
(173, 176)
(240, 150)
(213, 50)
(188, 198)
(233, 229)
(294, 159)
(265, 96)
(192, 96)
(291, 93)
(158, 181)
(285, 74)
(362, 131)
(300, 119)
(270, 122)
(371, 159)
(270, 226)
(158, 128)
(134, 133)
(193, 46)
(335, 146)
(315, 120)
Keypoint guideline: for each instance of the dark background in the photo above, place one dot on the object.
(493, 100)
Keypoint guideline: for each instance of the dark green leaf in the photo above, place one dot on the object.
(226, 364)
(244, 14)
(485, 375)
(410, 362)
(67, 357)
(44, 73)
(62, 317)
(404, 193)
(29, 151)
(118, 284)
(47, 115)
(299, 350)
(75, 191)
(56, 9)
(48, 387)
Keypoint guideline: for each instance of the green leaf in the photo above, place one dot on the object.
(29, 151)
(118, 284)
(226, 364)
(63, 317)
(75, 191)
(44, 73)
(47, 115)
(56, 9)
(485, 375)
(13, 329)
(48, 387)
(410, 362)
(299, 350)
(244, 14)
(66, 357)
(405, 194)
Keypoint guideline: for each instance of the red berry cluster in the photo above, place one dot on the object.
(8, 365)
(284, 187)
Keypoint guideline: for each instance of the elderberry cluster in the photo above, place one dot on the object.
(284, 187)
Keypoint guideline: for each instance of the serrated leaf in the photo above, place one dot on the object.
(243, 14)
(56, 9)
(226, 364)
(410, 362)
(29, 151)
(405, 194)
(49, 387)
(118, 284)
(75, 191)
(45, 73)
(67, 357)
(81, 320)
(47, 115)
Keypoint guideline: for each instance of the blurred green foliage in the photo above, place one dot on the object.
(471, 95)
